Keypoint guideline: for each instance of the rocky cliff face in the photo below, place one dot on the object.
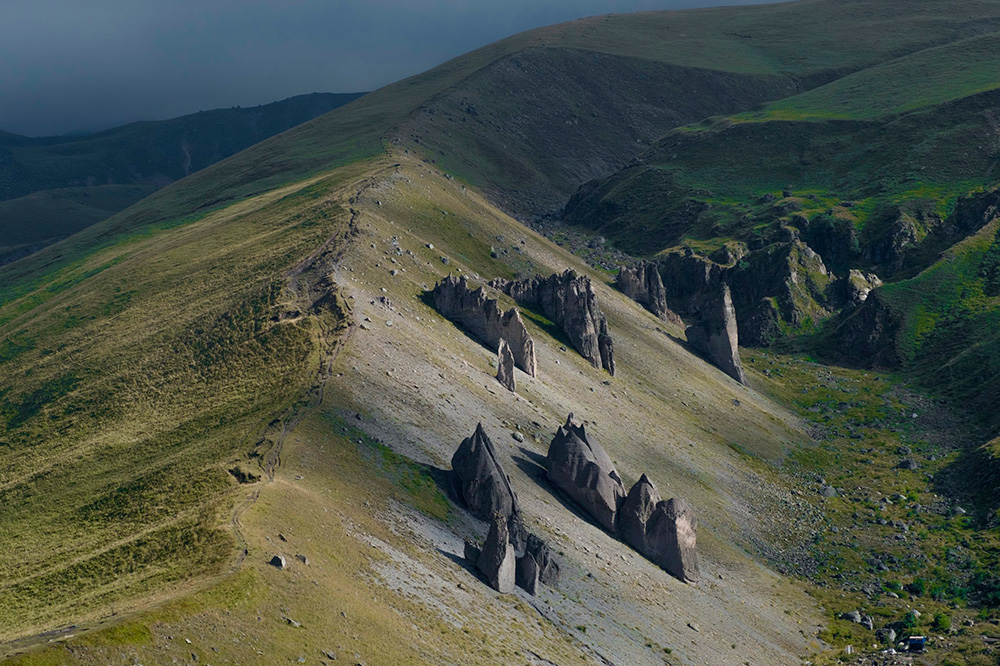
(852, 290)
(482, 317)
(578, 465)
(642, 283)
(663, 531)
(570, 301)
(778, 288)
(868, 336)
(715, 334)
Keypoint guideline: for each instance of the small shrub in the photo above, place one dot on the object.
(942, 622)
(917, 587)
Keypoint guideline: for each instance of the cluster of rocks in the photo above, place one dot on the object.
(643, 284)
(714, 331)
(663, 531)
(483, 318)
(510, 556)
(570, 301)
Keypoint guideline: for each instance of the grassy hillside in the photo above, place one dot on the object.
(926, 78)
(798, 45)
(133, 380)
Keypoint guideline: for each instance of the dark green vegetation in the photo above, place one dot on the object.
(51, 187)
(892, 538)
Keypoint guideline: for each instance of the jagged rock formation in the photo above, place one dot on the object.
(853, 288)
(643, 285)
(716, 336)
(577, 465)
(781, 287)
(505, 365)
(497, 560)
(482, 317)
(570, 301)
(868, 336)
(537, 565)
(663, 531)
(480, 480)
(778, 288)
(483, 486)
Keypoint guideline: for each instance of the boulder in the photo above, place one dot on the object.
(479, 478)
(482, 317)
(672, 539)
(636, 511)
(642, 283)
(278, 561)
(716, 335)
(548, 568)
(577, 465)
(497, 560)
(570, 301)
(526, 573)
(505, 365)
(663, 531)
(537, 565)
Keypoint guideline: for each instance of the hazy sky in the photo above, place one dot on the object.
(69, 65)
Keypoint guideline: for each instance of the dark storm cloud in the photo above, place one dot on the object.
(67, 65)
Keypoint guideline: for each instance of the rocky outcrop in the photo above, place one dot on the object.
(505, 366)
(889, 249)
(852, 290)
(482, 317)
(868, 336)
(716, 335)
(776, 289)
(570, 301)
(577, 465)
(481, 483)
(537, 565)
(643, 285)
(687, 277)
(663, 531)
(497, 560)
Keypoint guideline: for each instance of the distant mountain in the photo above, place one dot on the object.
(51, 187)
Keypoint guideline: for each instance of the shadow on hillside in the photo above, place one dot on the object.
(427, 298)
(973, 480)
(465, 564)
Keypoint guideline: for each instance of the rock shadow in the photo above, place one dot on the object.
(427, 298)
(533, 466)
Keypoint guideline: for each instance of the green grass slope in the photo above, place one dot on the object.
(946, 328)
(132, 381)
(926, 78)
